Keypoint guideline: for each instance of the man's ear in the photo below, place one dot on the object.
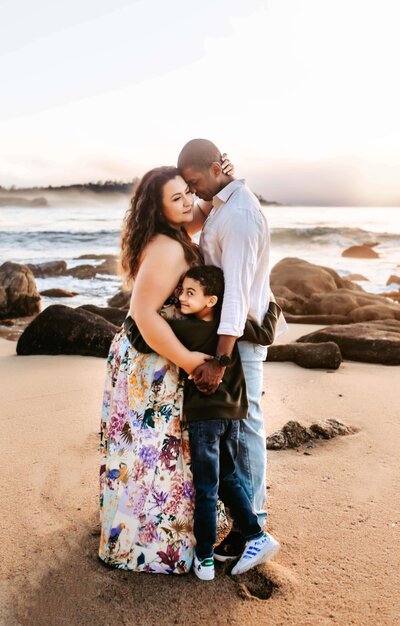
(216, 169)
(212, 301)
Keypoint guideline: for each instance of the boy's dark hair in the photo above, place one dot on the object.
(199, 153)
(211, 278)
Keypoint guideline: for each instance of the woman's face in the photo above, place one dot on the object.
(177, 202)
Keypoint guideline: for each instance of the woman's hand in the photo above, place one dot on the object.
(195, 359)
(227, 167)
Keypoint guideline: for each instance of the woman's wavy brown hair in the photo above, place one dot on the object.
(145, 218)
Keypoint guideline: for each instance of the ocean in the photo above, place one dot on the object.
(316, 234)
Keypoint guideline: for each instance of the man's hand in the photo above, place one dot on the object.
(208, 376)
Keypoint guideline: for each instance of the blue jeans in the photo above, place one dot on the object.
(252, 457)
(213, 448)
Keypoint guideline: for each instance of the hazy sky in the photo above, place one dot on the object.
(303, 94)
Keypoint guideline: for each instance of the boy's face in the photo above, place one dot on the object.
(192, 298)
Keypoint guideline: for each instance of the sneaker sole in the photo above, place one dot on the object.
(200, 578)
(266, 556)
(223, 559)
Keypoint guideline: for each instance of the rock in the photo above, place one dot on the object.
(6, 322)
(111, 314)
(364, 251)
(393, 280)
(304, 279)
(356, 277)
(82, 272)
(64, 330)
(327, 355)
(97, 256)
(375, 312)
(370, 342)
(293, 434)
(392, 295)
(329, 428)
(316, 319)
(303, 289)
(109, 266)
(51, 268)
(19, 296)
(120, 300)
(58, 293)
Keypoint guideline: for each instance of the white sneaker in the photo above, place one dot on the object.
(256, 551)
(204, 569)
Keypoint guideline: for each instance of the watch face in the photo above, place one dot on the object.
(224, 359)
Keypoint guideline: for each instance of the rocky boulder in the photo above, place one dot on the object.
(393, 280)
(51, 268)
(63, 330)
(58, 293)
(81, 271)
(293, 434)
(120, 300)
(365, 251)
(370, 342)
(19, 296)
(111, 314)
(304, 289)
(324, 355)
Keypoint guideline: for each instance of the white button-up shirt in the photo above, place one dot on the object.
(235, 237)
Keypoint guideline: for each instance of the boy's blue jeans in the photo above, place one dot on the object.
(213, 447)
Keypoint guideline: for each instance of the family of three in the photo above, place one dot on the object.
(182, 423)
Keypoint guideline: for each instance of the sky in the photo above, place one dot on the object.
(303, 94)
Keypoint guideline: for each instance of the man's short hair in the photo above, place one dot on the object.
(199, 153)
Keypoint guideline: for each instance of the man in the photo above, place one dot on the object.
(235, 237)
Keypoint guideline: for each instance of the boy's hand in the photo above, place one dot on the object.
(208, 376)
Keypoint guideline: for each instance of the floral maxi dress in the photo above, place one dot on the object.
(146, 488)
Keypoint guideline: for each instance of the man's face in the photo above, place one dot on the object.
(201, 182)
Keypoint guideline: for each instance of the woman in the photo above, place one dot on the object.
(146, 490)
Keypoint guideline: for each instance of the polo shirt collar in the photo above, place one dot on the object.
(223, 196)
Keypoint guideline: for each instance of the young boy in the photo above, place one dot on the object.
(214, 424)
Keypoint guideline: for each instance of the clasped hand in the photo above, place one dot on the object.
(208, 376)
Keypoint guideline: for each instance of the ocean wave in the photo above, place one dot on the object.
(331, 234)
(32, 238)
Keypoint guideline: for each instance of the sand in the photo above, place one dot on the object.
(335, 509)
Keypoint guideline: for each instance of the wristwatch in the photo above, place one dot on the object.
(223, 359)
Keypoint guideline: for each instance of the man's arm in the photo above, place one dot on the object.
(240, 238)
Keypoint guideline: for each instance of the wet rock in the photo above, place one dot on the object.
(64, 330)
(97, 256)
(365, 251)
(356, 277)
(109, 266)
(19, 296)
(111, 314)
(393, 280)
(51, 268)
(371, 342)
(82, 272)
(293, 434)
(120, 300)
(58, 293)
(326, 356)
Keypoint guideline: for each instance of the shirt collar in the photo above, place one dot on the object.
(223, 196)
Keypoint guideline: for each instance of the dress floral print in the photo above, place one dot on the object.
(146, 489)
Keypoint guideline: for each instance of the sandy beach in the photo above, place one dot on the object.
(334, 507)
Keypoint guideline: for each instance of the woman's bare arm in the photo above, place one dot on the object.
(161, 268)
